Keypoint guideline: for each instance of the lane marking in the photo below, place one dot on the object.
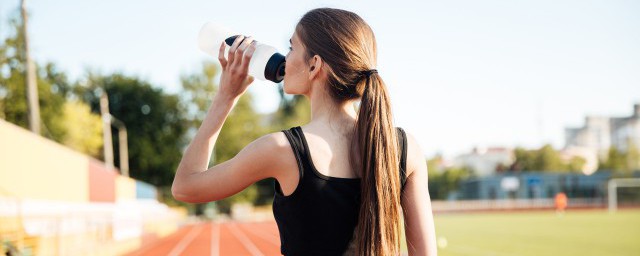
(265, 236)
(244, 240)
(186, 241)
(215, 238)
(154, 244)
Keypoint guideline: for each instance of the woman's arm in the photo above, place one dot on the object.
(193, 182)
(416, 204)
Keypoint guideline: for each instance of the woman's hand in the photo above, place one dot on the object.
(235, 79)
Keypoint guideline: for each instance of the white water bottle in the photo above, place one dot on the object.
(266, 63)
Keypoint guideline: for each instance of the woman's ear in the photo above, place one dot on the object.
(315, 66)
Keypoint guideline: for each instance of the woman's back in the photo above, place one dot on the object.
(320, 215)
(330, 149)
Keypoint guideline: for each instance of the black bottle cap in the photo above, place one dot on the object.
(274, 71)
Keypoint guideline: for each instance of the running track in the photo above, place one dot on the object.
(217, 239)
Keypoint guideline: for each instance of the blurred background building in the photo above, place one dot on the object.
(600, 134)
(485, 162)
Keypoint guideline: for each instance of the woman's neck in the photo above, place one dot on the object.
(327, 112)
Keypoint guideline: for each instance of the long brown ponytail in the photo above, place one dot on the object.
(380, 208)
(347, 44)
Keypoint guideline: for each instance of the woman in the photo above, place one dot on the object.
(348, 198)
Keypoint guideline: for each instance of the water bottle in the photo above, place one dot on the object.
(266, 63)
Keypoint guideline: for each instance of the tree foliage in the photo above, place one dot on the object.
(84, 133)
(544, 159)
(13, 100)
(442, 183)
(622, 162)
(154, 121)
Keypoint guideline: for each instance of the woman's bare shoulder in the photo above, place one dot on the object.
(416, 160)
(273, 143)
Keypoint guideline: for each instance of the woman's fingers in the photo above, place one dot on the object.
(221, 58)
(246, 59)
(234, 47)
(241, 51)
(235, 79)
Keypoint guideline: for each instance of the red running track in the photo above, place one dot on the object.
(217, 239)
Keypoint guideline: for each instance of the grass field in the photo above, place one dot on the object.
(587, 232)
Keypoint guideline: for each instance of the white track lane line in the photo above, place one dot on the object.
(265, 236)
(244, 240)
(215, 238)
(185, 241)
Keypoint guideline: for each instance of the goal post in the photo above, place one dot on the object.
(613, 186)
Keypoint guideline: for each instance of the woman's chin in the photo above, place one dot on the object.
(286, 87)
(291, 87)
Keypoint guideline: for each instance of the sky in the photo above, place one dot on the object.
(461, 73)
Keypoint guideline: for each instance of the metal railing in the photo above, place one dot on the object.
(13, 238)
(513, 204)
(43, 227)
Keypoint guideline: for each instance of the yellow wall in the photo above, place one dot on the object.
(35, 167)
(125, 188)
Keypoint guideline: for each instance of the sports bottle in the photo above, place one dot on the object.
(266, 63)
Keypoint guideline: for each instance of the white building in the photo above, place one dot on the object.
(625, 131)
(600, 133)
(594, 135)
(485, 161)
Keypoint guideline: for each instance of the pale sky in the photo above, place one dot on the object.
(461, 73)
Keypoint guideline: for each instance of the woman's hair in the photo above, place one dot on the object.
(346, 43)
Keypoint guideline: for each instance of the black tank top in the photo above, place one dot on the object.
(320, 216)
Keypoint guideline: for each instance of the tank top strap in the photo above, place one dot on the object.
(294, 135)
(300, 150)
(402, 146)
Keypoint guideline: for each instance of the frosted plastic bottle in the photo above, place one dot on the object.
(266, 63)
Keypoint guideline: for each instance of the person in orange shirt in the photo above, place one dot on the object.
(561, 202)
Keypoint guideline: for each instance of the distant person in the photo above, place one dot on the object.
(560, 202)
(342, 180)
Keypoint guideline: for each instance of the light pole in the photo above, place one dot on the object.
(122, 141)
(32, 87)
(107, 121)
(106, 130)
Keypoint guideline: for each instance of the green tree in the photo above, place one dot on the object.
(547, 159)
(525, 160)
(84, 129)
(633, 156)
(154, 120)
(197, 92)
(622, 162)
(434, 165)
(442, 184)
(444, 180)
(13, 99)
(616, 161)
(544, 159)
(576, 164)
